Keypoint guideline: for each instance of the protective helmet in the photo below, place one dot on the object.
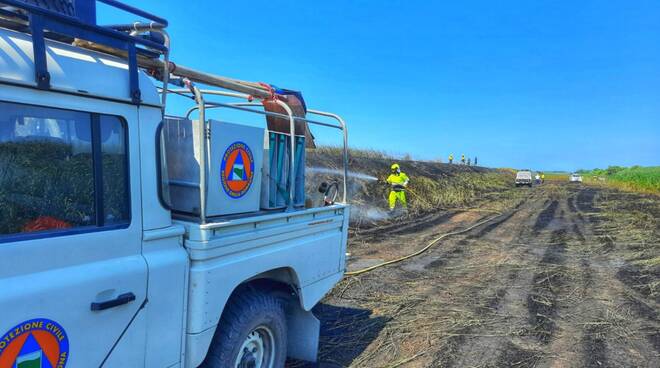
(395, 167)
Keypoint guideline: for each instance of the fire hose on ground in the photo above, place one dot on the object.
(433, 242)
(424, 249)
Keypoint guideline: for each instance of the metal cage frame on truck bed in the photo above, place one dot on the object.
(203, 105)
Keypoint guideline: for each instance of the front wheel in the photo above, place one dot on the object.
(251, 333)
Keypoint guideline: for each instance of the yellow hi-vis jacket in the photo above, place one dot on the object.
(401, 179)
(397, 193)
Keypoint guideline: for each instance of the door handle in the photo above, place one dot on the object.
(120, 300)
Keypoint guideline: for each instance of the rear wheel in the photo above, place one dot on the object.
(251, 334)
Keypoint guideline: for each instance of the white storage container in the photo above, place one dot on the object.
(234, 166)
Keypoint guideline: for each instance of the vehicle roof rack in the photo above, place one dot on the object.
(45, 23)
(133, 42)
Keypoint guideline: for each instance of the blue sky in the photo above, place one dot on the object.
(552, 85)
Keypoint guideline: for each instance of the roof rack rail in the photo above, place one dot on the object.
(132, 42)
(83, 26)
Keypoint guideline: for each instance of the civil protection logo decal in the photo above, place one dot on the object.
(237, 169)
(37, 343)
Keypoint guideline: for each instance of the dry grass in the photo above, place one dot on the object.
(337, 151)
(557, 177)
(433, 185)
(637, 221)
(428, 193)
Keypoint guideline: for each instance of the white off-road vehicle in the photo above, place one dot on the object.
(129, 238)
(524, 177)
(575, 178)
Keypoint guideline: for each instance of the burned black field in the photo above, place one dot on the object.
(562, 276)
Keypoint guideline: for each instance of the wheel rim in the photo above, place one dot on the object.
(258, 349)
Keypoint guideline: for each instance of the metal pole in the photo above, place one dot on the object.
(155, 27)
(251, 89)
(207, 78)
(292, 158)
(166, 71)
(343, 128)
(225, 93)
(239, 106)
(202, 156)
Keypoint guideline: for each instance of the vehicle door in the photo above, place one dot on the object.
(71, 272)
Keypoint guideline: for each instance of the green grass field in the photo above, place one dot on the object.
(637, 178)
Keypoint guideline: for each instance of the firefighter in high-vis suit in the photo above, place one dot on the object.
(398, 181)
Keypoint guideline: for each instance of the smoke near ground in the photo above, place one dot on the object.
(355, 184)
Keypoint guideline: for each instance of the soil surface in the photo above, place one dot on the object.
(564, 276)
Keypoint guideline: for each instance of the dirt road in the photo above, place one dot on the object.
(566, 276)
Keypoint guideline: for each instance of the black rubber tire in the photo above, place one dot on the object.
(61, 6)
(244, 312)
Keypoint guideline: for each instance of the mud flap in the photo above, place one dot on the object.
(303, 334)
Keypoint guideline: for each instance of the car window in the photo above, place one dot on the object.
(53, 177)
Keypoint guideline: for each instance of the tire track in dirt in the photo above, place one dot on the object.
(546, 288)
(592, 311)
(547, 291)
(502, 299)
(602, 297)
(546, 285)
(395, 241)
(558, 324)
(406, 226)
(544, 218)
(596, 350)
(453, 254)
(487, 229)
(421, 276)
(573, 300)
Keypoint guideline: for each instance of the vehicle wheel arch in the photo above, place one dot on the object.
(283, 279)
(302, 326)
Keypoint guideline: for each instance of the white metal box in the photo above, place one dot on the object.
(234, 156)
